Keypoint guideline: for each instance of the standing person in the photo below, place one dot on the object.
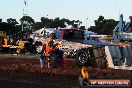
(61, 59)
(54, 53)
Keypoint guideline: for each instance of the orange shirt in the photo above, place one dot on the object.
(47, 47)
(47, 50)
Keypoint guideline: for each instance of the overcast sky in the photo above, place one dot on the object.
(71, 9)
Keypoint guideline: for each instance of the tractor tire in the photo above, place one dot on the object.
(82, 58)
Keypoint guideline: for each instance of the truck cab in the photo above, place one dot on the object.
(71, 34)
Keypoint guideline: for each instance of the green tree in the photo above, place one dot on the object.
(53, 23)
(27, 19)
(38, 25)
(104, 26)
(76, 23)
(12, 21)
(46, 21)
(0, 20)
(57, 22)
(28, 23)
(9, 28)
(82, 27)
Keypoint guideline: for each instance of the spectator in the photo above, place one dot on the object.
(61, 59)
(53, 52)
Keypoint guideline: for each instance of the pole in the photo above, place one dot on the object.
(22, 32)
(86, 23)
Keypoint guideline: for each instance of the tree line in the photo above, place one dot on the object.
(104, 26)
(28, 25)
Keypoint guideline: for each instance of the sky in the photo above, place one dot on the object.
(85, 10)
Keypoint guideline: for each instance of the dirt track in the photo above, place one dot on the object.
(25, 73)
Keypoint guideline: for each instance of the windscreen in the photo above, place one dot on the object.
(73, 35)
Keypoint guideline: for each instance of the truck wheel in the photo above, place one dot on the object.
(81, 58)
(39, 49)
(18, 51)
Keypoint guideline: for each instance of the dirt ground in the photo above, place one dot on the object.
(25, 73)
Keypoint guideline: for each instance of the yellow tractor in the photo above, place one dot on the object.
(10, 45)
(4, 43)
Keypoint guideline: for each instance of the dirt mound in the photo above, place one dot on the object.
(27, 72)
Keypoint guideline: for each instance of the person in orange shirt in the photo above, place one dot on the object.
(47, 47)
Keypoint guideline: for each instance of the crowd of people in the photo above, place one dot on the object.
(55, 52)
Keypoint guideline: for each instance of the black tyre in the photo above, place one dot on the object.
(39, 49)
(18, 51)
(82, 58)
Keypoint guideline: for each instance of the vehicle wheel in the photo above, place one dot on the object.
(39, 49)
(18, 51)
(82, 58)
